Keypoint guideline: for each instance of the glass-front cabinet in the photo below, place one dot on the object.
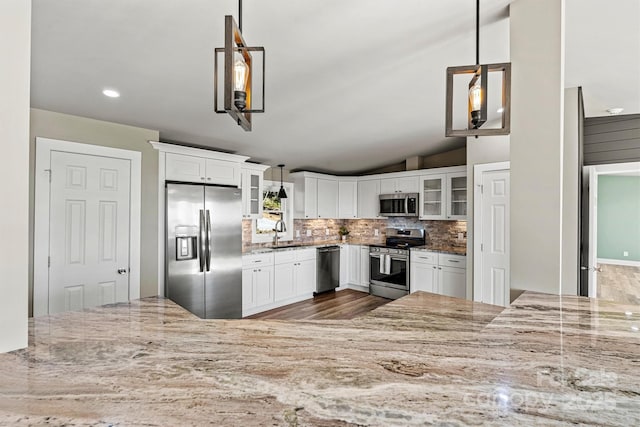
(252, 188)
(457, 196)
(443, 196)
(433, 196)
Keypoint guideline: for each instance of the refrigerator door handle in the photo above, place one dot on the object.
(208, 256)
(202, 241)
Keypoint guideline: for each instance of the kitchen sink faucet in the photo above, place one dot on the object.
(283, 228)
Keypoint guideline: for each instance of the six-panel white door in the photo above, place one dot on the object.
(89, 231)
(495, 237)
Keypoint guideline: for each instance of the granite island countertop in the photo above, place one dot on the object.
(420, 360)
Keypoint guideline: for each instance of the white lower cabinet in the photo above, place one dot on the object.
(305, 277)
(364, 266)
(354, 267)
(424, 277)
(344, 265)
(453, 281)
(278, 278)
(438, 273)
(354, 264)
(257, 287)
(285, 285)
(257, 281)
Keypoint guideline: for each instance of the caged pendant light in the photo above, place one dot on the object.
(281, 194)
(238, 72)
(477, 94)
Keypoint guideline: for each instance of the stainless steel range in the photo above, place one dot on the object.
(389, 263)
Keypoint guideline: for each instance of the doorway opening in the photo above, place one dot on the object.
(613, 269)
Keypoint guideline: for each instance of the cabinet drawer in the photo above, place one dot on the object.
(258, 259)
(423, 257)
(282, 257)
(305, 254)
(458, 261)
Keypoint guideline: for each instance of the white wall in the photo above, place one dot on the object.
(570, 193)
(537, 57)
(15, 54)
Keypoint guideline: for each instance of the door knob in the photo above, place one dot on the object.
(122, 271)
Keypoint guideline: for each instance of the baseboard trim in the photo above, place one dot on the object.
(619, 262)
(358, 288)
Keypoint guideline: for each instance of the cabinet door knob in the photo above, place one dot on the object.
(208, 179)
(202, 178)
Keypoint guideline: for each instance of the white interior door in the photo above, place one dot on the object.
(89, 231)
(492, 236)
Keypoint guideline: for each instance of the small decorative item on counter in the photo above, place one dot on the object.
(343, 232)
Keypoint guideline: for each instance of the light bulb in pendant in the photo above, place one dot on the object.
(240, 79)
(475, 103)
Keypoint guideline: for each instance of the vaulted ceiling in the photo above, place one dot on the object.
(351, 84)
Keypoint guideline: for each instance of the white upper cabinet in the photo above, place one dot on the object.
(347, 199)
(407, 184)
(222, 172)
(433, 190)
(252, 188)
(315, 196)
(441, 193)
(305, 197)
(185, 168)
(188, 164)
(444, 195)
(457, 195)
(327, 198)
(369, 198)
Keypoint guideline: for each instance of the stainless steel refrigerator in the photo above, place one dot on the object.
(204, 250)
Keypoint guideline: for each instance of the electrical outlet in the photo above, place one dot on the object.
(625, 253)
(297, 233)
(460, 236)
(308, 233)
(326, 231)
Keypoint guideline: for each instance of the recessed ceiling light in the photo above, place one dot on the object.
(615, 110)
(111, 93)
(500, 110)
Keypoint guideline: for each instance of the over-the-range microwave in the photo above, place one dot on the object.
(399, 204)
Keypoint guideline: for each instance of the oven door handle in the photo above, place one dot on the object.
(398, 258)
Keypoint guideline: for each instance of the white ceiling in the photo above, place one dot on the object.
(351, 85)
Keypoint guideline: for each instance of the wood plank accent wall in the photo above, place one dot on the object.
(613, 139)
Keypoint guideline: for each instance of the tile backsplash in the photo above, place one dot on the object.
(439, 233)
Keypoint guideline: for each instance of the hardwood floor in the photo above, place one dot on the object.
(619, 283)
(345, 304)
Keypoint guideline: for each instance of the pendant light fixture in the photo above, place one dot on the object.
(281, 194)
(238, 73)
(477, 95)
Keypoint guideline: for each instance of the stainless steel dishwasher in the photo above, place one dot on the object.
(327, 269)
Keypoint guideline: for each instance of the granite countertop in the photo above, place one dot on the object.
(318, 244)
(453, 250)
(420, 360)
